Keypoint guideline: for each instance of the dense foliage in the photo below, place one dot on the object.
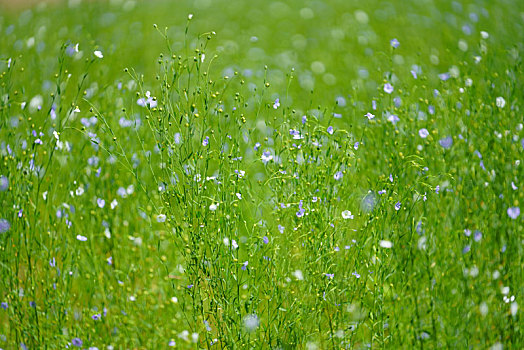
(238, 174)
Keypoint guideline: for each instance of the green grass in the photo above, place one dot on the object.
(161, 196)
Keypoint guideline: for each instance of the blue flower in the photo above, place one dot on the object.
(4, 225)
(397, 101)
(296, 134)
(266, 156)
(77, 342)
(477, 236)
(394, 43)
(514, 212)
(393, 119)
(446, 142)
(4, 183)
(444, 76)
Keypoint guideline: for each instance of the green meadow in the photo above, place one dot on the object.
(262, 175)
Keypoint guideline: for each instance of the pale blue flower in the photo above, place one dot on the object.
(394, 43)
(446, 142)
(388, 88)
(4, 225)
(77, 342)
(514, 212)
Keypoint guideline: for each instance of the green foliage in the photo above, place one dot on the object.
(262, 175)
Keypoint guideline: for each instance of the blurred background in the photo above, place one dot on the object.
(331, 44)
(341, 54)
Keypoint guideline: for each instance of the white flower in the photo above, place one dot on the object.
(514, 308)
(114, 203)
(194, 337)
(500, 102)
(213, 207)
(423, 133)
(79, 191)
(386, 244)
(266, 157)
(148, 101)
(346, 214)
(35, 103)
(298, 275)
(369, 115)
(100, 202)
(483, 308)
(98, 54)
(392, 118)
(161, 218)
(81, 238)
(251, 322)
